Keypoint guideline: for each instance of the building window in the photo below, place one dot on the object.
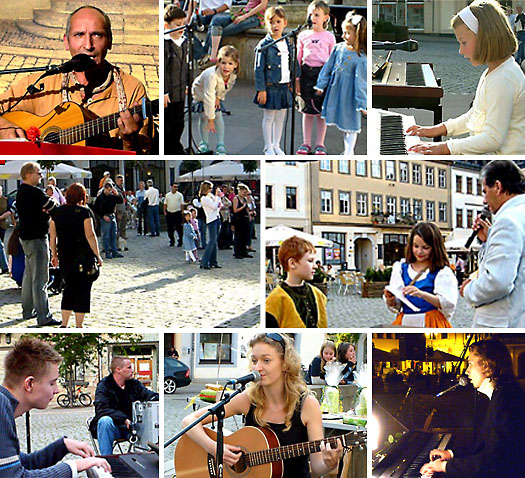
(430, 177)
(291, 197)
(391, 205)
(418, 209)
(377, 203)
(344, 202)
(269, 196)
(405, 206)
(290, 163)
(459, 184)
(360, 167)
(431, 211)
(443, 212)
(390, 170)
(326, 202)
(403, 172)
(416, 173)
(469, 185)
(362, 204)
(334, 255)
(479, 187)
(325, 165)
(459, 218)
(442, 178)
(470, 218)
(344, 166)
(376, 168)
(215, 348)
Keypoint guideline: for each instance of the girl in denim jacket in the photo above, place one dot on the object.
(272, 80)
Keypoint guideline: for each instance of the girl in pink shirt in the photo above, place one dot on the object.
(313, 50)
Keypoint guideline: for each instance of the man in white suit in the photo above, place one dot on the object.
(498, 293)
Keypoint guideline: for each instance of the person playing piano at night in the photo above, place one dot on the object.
(499, 445)
(279, 401)
(496, 119)
(30, 382)
(425, 280)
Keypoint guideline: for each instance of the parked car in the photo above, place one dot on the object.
(176, 374)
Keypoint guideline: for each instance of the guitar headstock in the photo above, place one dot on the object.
(355, 439)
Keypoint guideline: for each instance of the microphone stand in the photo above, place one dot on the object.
(293, 33)
(219, 412)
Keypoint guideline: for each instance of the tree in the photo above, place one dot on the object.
(190, 166)
(250, 166)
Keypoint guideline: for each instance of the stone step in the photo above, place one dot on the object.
(128, 22)
(148, 7)
(131, 37)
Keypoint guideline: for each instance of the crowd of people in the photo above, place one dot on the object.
(331, 78)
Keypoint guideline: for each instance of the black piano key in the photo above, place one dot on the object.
(392, 139)
(414, 74)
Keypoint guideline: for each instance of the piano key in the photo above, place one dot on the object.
(391, 129)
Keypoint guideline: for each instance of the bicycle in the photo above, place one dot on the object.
(79, 397)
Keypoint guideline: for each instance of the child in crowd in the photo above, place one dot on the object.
(195, 224)
(316, 371)
(209, 90)
(294, 303)
(313, 50)
(425, 279)
(272, 79)
(344, 78)
(188, 239)
(496, 119)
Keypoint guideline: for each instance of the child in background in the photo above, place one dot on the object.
(316, 372)
(195, 224)
(188, 239)
(496, 120)
(344, 78)
(209, 90)
(272, 80)
(313, 50)
(294, 303)
(426, 280)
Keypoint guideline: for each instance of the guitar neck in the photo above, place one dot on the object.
(102, 125)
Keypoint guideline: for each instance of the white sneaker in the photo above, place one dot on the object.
(277, 150)
(268, 151)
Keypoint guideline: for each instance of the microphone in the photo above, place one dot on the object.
(463, 381)
(251, 377)
(408, 45)
(80, 62)
(485, 213)
(309, 23)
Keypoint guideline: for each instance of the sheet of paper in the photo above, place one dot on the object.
(399, 295)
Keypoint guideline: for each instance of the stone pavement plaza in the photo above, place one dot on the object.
(351, 310)
(152, 286)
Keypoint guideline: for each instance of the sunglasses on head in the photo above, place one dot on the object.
(277, 338)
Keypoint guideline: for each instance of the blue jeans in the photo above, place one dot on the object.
(3, 257)
(154, 220)
(36, 277)
(216, 23)
(109, 235)
(229, 29)
(107, 433)
(202, 230)
(210, 254)
(520, 56)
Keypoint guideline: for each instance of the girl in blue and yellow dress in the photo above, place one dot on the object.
(344, 78)
(425, 279)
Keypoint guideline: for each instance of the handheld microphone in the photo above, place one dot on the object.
(80, 62)
(463, 381)
(408, 45)
(309, 23)
(251, 377)
(485, 213)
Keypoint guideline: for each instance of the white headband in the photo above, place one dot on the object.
(355, 19)
(469, 19)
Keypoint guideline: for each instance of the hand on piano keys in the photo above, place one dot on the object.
(92, 462)
(437, 464)
(99, 472)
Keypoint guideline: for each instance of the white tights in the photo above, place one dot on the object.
(350, 140)
(272, 127)
(189, 256)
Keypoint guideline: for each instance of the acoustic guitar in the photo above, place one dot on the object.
(262, 455)
(69, 123)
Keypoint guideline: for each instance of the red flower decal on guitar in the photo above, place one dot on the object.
(33, 134)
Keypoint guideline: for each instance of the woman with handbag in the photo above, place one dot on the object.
(74, 244)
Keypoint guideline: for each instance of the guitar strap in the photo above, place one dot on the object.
(113, 75)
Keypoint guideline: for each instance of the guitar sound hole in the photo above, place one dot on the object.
(52, 138)
(240, 466)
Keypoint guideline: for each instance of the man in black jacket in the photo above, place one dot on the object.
(114, 397)
(105, 207)
(500, 443)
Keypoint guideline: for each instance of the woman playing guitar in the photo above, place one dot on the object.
(279, 401)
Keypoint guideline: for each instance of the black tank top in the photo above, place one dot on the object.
(293, 467)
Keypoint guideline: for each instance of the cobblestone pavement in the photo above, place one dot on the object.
(351, 310)
(152, 286)
(22, 50)
(174, 408)
(456, 73)
(55, 422)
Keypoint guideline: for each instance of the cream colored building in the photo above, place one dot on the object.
(368, 207)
